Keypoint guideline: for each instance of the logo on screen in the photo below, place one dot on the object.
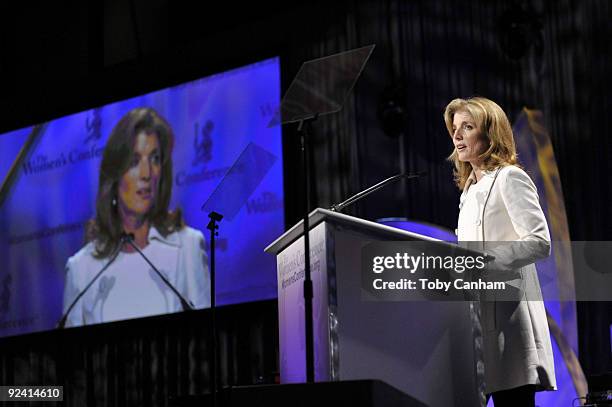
(202, 142)
(43, 163)
(93, 125)
(202, 145)
(266, 202)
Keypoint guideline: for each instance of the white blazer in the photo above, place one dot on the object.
(504, 207)
(129, 288)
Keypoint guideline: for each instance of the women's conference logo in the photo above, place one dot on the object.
(42, 163)
(202, 143)
(203, 147)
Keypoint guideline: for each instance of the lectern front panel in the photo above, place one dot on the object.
(292, 341)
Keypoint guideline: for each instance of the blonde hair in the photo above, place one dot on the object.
(494, 125)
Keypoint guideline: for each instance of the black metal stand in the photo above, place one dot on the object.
(303, 128)
(213, 227)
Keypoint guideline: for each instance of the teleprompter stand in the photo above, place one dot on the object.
(241, 180)
(320, 87)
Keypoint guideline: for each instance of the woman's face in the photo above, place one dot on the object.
(138, 187)
(468, 139)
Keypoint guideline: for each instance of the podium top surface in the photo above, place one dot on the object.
(321, 215)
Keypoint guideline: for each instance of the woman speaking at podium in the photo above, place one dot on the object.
(134, 192)
(500, 203)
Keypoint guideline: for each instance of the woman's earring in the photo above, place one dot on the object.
(114, 202)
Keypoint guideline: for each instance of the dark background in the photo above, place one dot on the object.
(57, 59)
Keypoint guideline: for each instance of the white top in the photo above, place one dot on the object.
(130, 288)
(471, 207)
(504, 207)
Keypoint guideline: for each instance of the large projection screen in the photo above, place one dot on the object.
(43, 218)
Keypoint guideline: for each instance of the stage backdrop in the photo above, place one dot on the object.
(42, 219)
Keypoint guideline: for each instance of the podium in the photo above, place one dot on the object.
(423, 348)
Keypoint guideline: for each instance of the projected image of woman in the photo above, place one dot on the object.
(134, 192)
(500, 203)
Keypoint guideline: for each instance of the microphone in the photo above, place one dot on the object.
(62, 322)
(368, 191)
(186, 304)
